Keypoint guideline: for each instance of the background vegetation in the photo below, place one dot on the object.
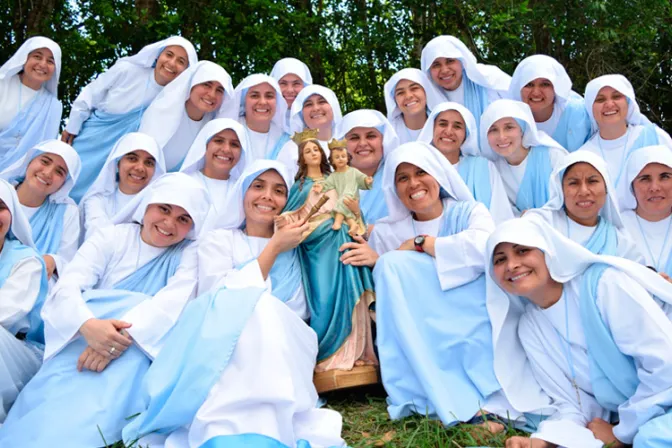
(354, 46)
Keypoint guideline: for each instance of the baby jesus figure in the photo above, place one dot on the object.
(346, 181)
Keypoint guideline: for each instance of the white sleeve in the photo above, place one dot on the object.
(20, 291)
(627, 248)
(567, 426)
(460, 258)
(153, 319)
(65, 310)
(641, 330)
(94, 214)
(69, 239)
(377, 239)
(216, 267)
(500, 207)
(90, 97)
(664, 138)
(289, 156)
(557, 156)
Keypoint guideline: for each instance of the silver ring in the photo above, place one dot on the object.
(112, 350)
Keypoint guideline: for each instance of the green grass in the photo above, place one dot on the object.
(366, 424)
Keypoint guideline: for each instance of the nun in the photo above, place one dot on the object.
(524, 156)
(23, 287)
(112, 105)
(542, 83)
(646, 204)
(30, 111)
(316, 107)
(580, 336)
(410, 97)
(237, 369)
(248, 243)
(216, 159)
(292, 76)
(370, 138)
(583, 207)
(452, 130)
(618, 126)
(262, 110)
(43, 184)
(455, 72)
(430, 249)
(134, 162)
(181, 110)
(107, 317)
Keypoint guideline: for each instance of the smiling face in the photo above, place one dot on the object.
(265, 199)
(46, 174)
(207, 97)
(290, 86)
(221, 154)
(450, 131)
(165, 224)
(610, 107)
(5, 221)
(39, 68)
(418, 191)
(446, 73)
(539, 94)
(260, 103)
(522, 271)
(505, 137)
(136, 169)
(585, 193)
(172, 61)
(410, 97)
(653, 191)
(365, 145)
(317, 112)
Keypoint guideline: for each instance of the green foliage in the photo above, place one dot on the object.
(354, 46)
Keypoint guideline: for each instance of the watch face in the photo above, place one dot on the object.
(419, 240)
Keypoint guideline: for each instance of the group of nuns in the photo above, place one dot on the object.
(151, 292)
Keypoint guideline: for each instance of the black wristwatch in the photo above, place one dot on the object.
(419, 241)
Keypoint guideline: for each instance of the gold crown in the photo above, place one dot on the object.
(308, 134)
(334, 143)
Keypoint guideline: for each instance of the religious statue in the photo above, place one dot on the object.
(346, 181)
(338, 295)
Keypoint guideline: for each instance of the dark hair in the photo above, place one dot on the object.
(325, 168)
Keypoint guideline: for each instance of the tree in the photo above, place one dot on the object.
(355, 46)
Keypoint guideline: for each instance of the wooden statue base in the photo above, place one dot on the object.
(344, 379)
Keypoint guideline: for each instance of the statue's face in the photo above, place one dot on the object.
(312, 154)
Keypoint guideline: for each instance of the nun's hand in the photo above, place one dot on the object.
(427, 247)
(359, 253)
(51, 265)
(289, 236)
(91, 360)
(353, 205)
(408, 245)
(604, 431)
(665, 276)
(103, 335)
(68, 137)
